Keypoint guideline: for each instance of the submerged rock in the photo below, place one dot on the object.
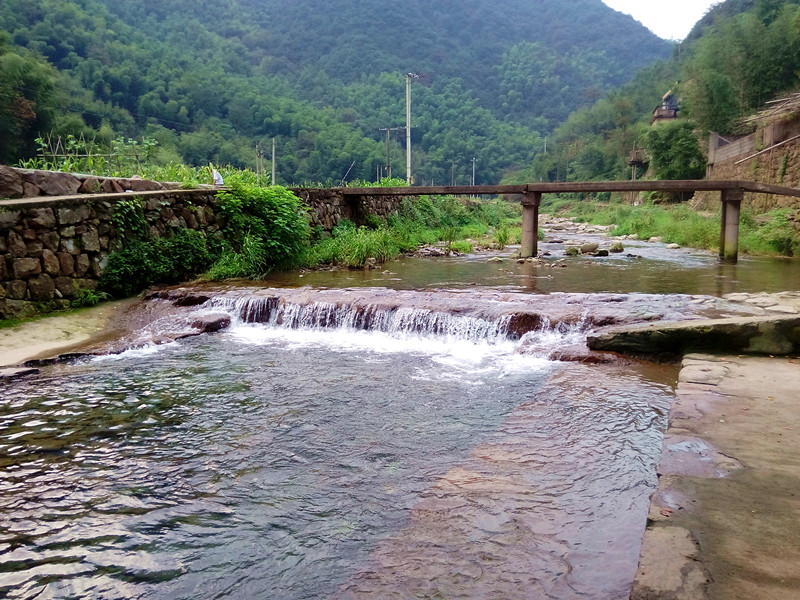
(212, 323)
(15, 373)
(616, 247)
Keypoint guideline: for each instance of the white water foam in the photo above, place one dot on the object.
(450, 357)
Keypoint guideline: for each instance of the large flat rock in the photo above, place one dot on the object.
(776, 335)
(724, 520)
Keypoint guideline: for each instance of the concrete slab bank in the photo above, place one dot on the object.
(725, 520)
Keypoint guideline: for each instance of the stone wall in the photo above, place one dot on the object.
(779, 166)
(329, 206)
(51, 249)
(56, 236)
(29, 183)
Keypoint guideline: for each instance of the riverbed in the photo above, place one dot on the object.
(292, 458)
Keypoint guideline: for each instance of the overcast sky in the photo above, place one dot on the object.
(670, 20)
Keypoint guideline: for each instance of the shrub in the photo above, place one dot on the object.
(462, 246)
(273, 216)
(86, 297)
(163, 260)
(264, 227)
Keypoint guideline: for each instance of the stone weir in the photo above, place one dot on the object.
(553, 326)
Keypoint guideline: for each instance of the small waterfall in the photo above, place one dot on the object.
(392, 320)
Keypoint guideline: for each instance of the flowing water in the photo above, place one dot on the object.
(328, 452)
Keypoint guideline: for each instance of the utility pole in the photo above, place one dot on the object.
(453, 173)
(388, 131)
(273, 162)
(409, 77)
(473, 173)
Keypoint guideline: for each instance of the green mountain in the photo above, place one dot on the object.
(211, 80)
(742, 54)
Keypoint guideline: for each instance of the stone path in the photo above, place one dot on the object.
(725, 521)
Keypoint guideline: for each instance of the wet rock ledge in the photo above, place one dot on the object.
(723, 522)
(776, 333)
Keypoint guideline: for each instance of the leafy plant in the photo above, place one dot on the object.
(87, 297)
(161, 260)
(128, 217)
(265, 227)
(462, 246)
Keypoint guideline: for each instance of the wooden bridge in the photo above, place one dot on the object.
(731, 195)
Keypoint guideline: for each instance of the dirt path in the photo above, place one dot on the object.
(58, 334)
(725, 522)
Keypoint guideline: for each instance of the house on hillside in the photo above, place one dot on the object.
(667, 110)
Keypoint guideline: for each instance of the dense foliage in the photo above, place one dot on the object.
(675, 152)
(743, 53)
(215, 81)
(264, 228)
(460, 223)
(742, 62)
(27, 100)
(162, 260)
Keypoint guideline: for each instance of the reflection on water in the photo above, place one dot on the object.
(276, 464)
(653, 269)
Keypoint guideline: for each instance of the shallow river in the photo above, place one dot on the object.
(274, 462)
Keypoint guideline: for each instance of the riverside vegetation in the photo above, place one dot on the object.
(770, 234)
(266, 228)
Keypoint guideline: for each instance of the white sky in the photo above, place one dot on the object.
(670, 20)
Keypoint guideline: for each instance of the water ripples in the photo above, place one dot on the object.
(224, 467)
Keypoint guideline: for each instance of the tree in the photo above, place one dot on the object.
(27, 100)
(675, 152)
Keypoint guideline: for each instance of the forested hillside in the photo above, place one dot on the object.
(742, 54)
(211, 80)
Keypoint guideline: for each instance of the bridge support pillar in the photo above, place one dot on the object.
(729, 231)
(530, 224)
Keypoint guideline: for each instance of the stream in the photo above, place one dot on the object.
(408, 432)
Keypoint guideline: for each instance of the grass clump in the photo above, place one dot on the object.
(462, 247)
(426, 221)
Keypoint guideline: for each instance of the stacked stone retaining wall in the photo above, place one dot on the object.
(52, 249)
(329, 206)
(57, 231)
(779, 165)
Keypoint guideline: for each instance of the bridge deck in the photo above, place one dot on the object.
(699, 185)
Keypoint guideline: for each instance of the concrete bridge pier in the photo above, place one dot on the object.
(729, 230)
(530, 224)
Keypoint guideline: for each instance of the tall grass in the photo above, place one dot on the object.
(418, 223)
(768, 234)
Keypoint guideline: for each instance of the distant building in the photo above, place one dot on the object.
(667, 110)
